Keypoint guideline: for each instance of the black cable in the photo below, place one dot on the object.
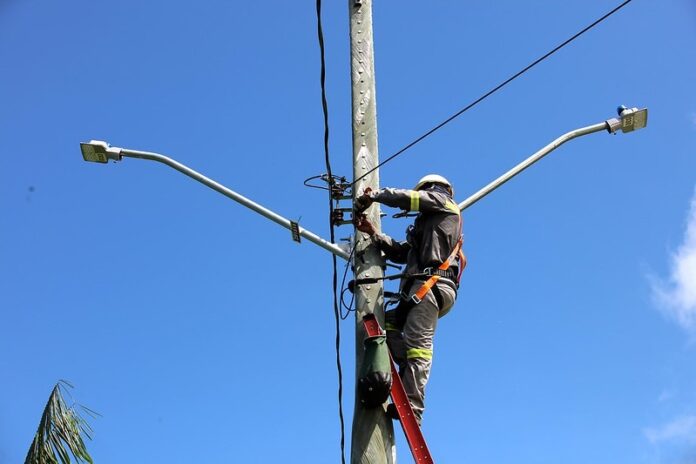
(315, 186)
(348, 307)
(337, 315)
(492, 91)
(325, 178)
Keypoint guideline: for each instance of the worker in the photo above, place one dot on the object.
(428, 289)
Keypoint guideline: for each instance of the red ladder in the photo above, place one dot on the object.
(414, 436)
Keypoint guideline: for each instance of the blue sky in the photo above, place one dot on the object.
(202, 333)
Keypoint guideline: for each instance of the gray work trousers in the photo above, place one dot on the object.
(410, 340)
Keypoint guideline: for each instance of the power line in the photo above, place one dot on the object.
(492, 91)
(337, 315)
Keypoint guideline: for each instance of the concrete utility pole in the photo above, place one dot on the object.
(373, 433)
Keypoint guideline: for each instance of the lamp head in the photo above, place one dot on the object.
(632, 118)
(629, 119)
(98, 151)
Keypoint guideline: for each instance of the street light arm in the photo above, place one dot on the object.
(529, 161)
(278, 219)
(629, 119)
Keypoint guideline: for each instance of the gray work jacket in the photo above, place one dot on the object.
(431, 238)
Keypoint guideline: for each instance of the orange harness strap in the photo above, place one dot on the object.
(462, 264)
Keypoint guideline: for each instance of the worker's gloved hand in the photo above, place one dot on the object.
(363, 201)
(363, 225)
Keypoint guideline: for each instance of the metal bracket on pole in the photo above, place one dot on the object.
(295, 231)
(339, 189)
(339, 216)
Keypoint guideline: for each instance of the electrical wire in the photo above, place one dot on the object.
(492, 91)
(330, 180)
(348, 307)
(325, 178)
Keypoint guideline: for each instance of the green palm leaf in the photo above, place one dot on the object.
(61, 431)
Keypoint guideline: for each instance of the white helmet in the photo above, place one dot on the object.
(433, 179)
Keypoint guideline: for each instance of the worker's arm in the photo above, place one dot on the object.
(414, 200)
(393, 250)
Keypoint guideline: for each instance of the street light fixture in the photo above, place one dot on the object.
(629, 119)
(98, 151)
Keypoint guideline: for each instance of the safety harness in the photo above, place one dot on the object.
(443, 270)
(433, 275)
(406, 302)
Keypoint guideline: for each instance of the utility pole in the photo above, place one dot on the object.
(373, 432)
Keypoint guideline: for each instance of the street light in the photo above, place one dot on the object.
(629, 119)
(98, 151)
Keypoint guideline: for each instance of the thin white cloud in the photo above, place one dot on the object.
(677, 296)
(665, 396)
(680, 430)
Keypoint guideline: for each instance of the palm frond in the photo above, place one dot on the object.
(60, 433)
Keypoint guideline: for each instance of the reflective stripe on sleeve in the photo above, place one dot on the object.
(415, 200)
(452, 207)
(419, 353)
